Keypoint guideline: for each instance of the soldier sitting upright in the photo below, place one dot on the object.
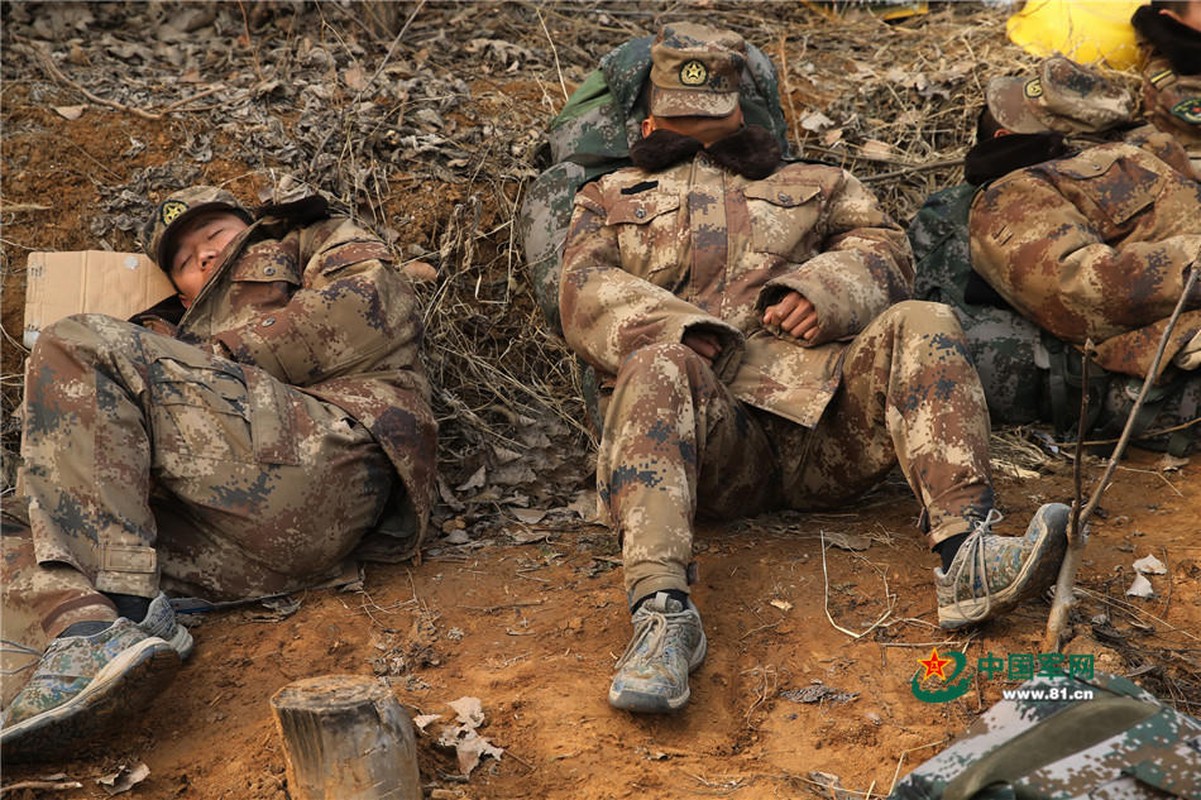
(749, 320)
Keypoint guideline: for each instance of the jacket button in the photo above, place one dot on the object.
(268, 322)
(640, 213)
(269, 271)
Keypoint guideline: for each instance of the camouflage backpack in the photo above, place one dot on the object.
(1067, 737)
(592, 135)
(1029, 375)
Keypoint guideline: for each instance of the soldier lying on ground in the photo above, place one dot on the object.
(1053, 242)
(280, 428)
(1169, 34)
(740, 311)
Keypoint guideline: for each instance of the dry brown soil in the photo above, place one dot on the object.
(532, 629)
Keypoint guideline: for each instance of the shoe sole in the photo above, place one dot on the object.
(645, 703)
(1039, 572)
(120, 691)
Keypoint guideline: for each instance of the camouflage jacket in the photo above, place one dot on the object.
(1173, 103)
(650, 256)
(1096, 246)
(322, 307)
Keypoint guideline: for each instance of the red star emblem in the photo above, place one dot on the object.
(935, 664)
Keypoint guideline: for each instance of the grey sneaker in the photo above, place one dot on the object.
(160, 621)
(991, 574)
(82, 687)
(668, 643)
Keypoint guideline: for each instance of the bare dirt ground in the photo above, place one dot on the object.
(517, 601)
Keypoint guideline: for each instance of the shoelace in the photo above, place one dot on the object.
(653, 627)
(977, 561)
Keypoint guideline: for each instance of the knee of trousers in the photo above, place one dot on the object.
(669, 362)
(88, 334)
(911, 320)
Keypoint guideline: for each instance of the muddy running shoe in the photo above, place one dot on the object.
(160, 621)
(668, 643)
(83, 687)
(991, 574)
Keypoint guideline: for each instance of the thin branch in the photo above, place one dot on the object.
(1052, 641)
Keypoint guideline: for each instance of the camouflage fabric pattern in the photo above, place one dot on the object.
(650, 256)
(677, 444)
(147, 458)
(1172, 102)
(1096, 246)
(1001, 342)
(250, 454)
(1063, 96)
(592, 135)
(323, 308)
(695, 71)
(1066, 747)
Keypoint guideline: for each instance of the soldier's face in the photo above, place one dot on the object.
(706, 130)
(198, 247)
(1190, 15)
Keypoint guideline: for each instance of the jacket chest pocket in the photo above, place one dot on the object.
(1118, 189)
(784, 218)
(649, 235)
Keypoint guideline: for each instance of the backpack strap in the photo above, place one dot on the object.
(1072, 730)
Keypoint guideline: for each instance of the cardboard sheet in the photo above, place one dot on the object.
(93, 281)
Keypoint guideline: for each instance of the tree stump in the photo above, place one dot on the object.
(346, 738)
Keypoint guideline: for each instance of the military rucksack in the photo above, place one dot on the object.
(1067, 737)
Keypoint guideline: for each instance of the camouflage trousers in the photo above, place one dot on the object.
(677, 445)
(149, 463)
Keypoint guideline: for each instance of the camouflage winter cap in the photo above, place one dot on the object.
(1063, 96)
(695, 71)
(179, 208)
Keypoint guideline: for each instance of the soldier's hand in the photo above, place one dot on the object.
(794, 315)
(706, 344)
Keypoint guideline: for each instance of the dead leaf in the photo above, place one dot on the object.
(1141, 587)
(421, 720)
(530, 516)
(353, 78)
(471, 748)
(70, 112)
(420, 271)
(847, 541)
(475, 481)
(470, 711)
(124, 779)
(1150, 565)
(816, 121)
(876, 150)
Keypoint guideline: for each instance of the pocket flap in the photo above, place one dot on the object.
(785, 195)
(642, 208)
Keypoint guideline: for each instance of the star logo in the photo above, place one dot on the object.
(934, 665)
(171, 211)
(693, 73)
